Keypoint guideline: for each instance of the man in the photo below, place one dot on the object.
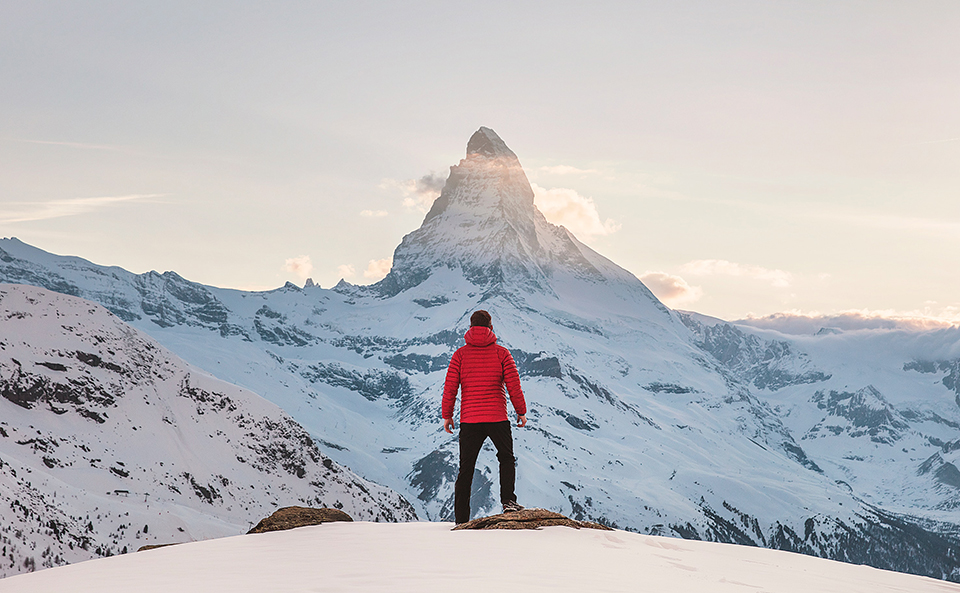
(480, 370)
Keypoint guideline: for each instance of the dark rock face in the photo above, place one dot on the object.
(867, 412)
(292, 517)
(430, 473)
(155, 546)
(951, 367)
(877, 538)
(751, 359)
(371, 384)
(528, 519)
(537, 365)
(418, 362)
(86, 394)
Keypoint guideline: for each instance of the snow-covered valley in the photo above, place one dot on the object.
(841, 445)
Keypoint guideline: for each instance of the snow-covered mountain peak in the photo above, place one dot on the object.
(486, 226)
(489, 182)
(486, 143)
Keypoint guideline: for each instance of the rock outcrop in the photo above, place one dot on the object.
(292, 517)
(528, 519)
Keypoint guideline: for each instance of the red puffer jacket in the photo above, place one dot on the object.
(480, 370)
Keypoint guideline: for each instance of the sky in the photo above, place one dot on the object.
(742, 158)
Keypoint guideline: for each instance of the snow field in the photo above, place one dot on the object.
(418, 557)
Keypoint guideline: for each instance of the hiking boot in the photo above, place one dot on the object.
(511, 506)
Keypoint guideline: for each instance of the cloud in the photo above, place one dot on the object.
(374, 213)
(31, 211)
(798, 322)
(672, 290)
(301, 266)
(417, 193)
(82, 145)
(566, 170)
(378, 268)
(346, 271)
(933, 142)
(722, 267)
(577, 213)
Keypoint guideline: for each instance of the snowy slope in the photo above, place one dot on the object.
(109, 442)
(417, 557)
(882, 416)
(638, 417)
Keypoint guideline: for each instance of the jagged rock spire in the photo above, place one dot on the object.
(485, 224)
(485, 142)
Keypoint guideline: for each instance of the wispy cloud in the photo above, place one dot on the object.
(903, 223)
(852, 217)
(378, 268)
(374, 213)
(934, 141)
(566, 170)
(301, 266)
(417, 193)
(577, 213)
(346, 271)
(672, 290)
(799, 322)
(31, 211)
(81, 145)
(722, 267)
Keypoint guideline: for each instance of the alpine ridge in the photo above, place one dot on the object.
(108, 442)
(640, 417)
(485, 226)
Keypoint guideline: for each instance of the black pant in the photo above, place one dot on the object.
(472, 435)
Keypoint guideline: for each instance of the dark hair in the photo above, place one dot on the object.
(481, 318)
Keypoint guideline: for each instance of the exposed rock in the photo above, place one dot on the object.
(528, 519)
(291, 517)
(155, 546)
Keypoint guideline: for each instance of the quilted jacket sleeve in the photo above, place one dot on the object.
(511, 379)
(450, 386)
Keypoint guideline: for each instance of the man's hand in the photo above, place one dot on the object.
(522, 420)
(448, 425)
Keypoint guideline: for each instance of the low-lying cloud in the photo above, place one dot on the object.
(301, 266)
(674, 291)
(418, 193)
(374, 213)
(566, 170)
(577, 213)
(378, 268)
(722, 267)
(346, 271)
(799, 323)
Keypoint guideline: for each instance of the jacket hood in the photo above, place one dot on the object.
(480, 336)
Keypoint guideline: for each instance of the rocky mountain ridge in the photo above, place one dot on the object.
(640, 417)
(109, 442)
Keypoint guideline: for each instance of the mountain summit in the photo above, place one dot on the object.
(485, 142)
(485, 226)
(841, 446)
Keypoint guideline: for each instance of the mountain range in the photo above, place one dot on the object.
(842, 445)
(109, 442)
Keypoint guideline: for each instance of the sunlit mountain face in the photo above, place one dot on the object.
(838, 445)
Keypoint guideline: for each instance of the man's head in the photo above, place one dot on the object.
(481, 318)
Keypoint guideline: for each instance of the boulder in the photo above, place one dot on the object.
(291, 517)
(528, 519)
(155, 546)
